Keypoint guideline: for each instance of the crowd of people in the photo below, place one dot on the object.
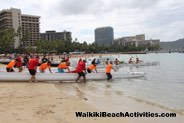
(31, 62)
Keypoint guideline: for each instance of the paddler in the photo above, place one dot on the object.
(63, 65)
(108, 70)
(11, 64)
(32, 66)
(92, 67)
(81, 68)
(19, 63)
(44, 66)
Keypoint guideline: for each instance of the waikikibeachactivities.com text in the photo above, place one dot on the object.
(123, 114)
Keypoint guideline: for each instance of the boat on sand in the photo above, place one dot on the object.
(55, 77)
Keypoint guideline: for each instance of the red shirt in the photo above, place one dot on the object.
(67, 59)
(33, 63)
(80, 67)
(19, 63)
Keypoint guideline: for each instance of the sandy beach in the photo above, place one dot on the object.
(42, 103)
(57, 103)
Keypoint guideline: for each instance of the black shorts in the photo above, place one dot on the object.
(81, 73)
(32, 72)
(88, 70)
(8, 70)
(109, 76)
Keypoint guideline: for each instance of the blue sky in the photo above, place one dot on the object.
(157, 19)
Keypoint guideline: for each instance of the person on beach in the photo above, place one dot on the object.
(32, 66)
(81, 70)
(44, 59)
(63, 65)
(92, 67)
(19, 63)
(26, 60)
(44, 66)
(11, 64)
(108, 70)
(67, 58)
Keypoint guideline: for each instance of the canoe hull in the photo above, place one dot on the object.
(65, 76)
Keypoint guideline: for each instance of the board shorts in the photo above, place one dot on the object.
(81, 73)
(8, 70)
(61, 70)
(109, 76)
(88, 70)
(32, 72)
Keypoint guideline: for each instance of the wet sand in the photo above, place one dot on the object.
(106, 99)
(43, 103)
(57, 103)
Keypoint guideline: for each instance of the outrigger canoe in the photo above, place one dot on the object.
(25, 76)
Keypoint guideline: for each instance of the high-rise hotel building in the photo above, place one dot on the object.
(29, 24)
(104, 36)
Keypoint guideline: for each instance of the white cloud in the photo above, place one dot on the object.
(160, 19)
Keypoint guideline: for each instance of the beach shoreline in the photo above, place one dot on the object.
(23, 102)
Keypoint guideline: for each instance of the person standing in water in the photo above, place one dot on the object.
(63, 65)
(92, 67)
(108, 70)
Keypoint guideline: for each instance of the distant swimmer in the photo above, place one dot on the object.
(62, 66)
(81, 70)
(130, 61)
(107, 60)
(108, 70)
(11, 64)
(116, 62)
(137, 60)
(92, 67)
(44, 66)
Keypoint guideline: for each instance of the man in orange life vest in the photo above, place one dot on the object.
(63, 65)
(11, 64)
(44, 66)
(108, 70)
(92, 67)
